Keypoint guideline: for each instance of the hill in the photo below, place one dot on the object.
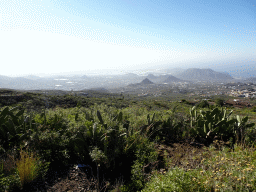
(171, 79)
(251, 79)
(99, 89)
(84, 77)
(146, 82)
(163, 79)
(151, 76)
(195, 74)
(32, 77)
(22, 83)
(3, 77)
(131, 75)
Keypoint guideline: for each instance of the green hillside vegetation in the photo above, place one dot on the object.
(131, 144)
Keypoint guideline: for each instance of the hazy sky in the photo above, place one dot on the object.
(53, 36)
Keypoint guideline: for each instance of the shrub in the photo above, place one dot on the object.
(254, 109)
(220, 171)
(7, 164)
(173, 128)
(219, 102)
(146, 158)
(9, 179)
(203, 104)
(250, 136)
(185, 101)
(52, 145)
(175, 180)
(9, 183)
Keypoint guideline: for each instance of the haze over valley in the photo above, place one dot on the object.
(115, 45)
(150, 83)
(127, 95)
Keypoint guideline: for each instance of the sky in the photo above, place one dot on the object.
(61, 36)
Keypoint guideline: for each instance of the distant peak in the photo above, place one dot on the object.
(146, 81)
(171, 78)
(151, 76)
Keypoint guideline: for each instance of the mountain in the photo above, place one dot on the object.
(251, 79)
(151, 76)
(163, 78)
(84, 77)
(22, 83)
(171, 79)
(142, 83)
(146, 82)
(130, 74)
(32, 77)
(99, 89)
(5, 78)
(195, 74)
(174, 71)
(239, 69)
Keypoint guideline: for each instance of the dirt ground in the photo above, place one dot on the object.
(238, 103)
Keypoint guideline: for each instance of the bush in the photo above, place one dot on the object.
(203, 104)
(51, 145)
(174, 180)
(146, 157)
(9, 183)
(9, 179)
(185, 101)
(253, 109)
(219, 102)
(7, 164)
(250, 136)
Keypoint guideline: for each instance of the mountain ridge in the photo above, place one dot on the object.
(197, 74)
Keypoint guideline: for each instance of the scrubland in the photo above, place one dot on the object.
(129, 144)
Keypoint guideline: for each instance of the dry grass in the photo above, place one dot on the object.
(27, 167)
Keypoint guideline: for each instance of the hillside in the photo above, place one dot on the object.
(195, 74)
(146, 82)
(2, 77)
(252, 79)
(163, 79)
(151, 76)
(124, 135)
(171, 79)
(130, 75)
(22, 83)
(143, 83)
(174, 71)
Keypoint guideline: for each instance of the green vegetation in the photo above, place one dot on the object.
(219, 102)
(203, 104)
(218, 171)
(217, 123)
(28, 167)
(132, 138)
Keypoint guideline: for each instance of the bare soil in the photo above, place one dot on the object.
(237, 103)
